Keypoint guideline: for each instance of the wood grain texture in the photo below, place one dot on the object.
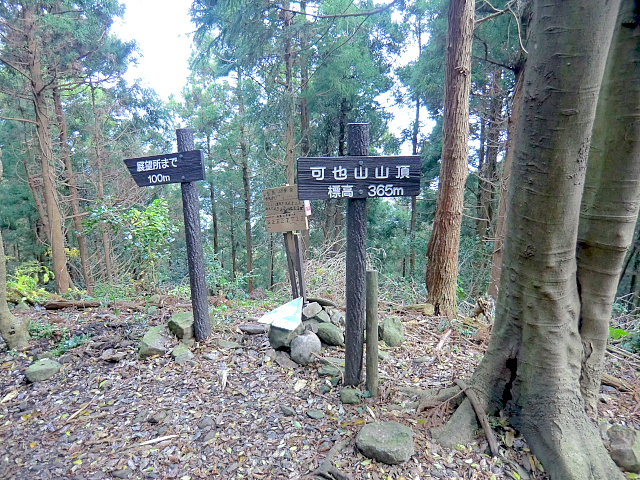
(372, 332)
(178, 167)
(195, 255)
(358, 139)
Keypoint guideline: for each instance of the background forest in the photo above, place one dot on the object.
(267, 84)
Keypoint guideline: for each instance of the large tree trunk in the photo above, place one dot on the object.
(442, 251)
(305, 128)
(289, 104)
(496, 258)
(610, 200)
(73, 193)
(534, 360)
(39, 100)
(12, 330)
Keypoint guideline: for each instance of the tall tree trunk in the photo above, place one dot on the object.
(12, 330)
(73, 192)
(97, 140)
(289, 104)
(481, 161)
(496, 258)
(234, 265)
(305, 129)
(488, 170)
(414, 151)
(609, 207)
(442, 250)
(246, 188)
(39, 100)
(533, 363)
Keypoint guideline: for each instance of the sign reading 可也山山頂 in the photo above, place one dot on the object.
(169, 168)
(323, 178)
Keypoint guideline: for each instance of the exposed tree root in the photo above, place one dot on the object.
(482, 417)
(326, 469)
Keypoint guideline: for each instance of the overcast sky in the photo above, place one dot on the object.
(163, 31)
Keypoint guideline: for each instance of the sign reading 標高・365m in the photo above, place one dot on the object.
(179, 167)
(323, 178)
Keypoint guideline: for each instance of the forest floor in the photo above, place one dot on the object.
(220, 415)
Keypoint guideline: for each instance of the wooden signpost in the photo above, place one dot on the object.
(285, 213)
(357, 177)
(184, 167)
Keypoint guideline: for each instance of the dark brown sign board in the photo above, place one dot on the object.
(179, 167)
(324, 178)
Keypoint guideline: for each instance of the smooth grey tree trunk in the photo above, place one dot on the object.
(533, 364)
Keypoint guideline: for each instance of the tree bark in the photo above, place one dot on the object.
(442, 250)
(39, 100)
(97, 140)
(246, 188)
(533, 362)
(496, 258)
(73, 192)
(610, 200)
(12, 330)
(289, 105)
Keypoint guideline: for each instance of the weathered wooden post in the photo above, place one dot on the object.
(357, 145)
(372, 332)
(356, 177)
(185, 167)
(195, 255)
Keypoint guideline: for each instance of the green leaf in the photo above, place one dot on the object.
(631, 476)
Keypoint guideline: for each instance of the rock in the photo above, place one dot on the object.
(322, 301)
(311, 310)
(110, 355)
(154, 342)
(209, 436)
(315, 413)
(21, 307)
(126, 473)
(391, 331)
(337, 318)
(42, 369)
(181, 353)
(310, 326)
(279, 337)
(334, 380)
(41, 355)
(252, 329)
(212, 356)
(382, 355)
(67, 358)
(624, 446)
(349, 396)
(329, 371)
(284, 360)
(387, 442)
(141, 417)
(206, 422)
(324, 389)
(159, 416)
(322, 317)
(287, 411)
(332, 361)
(152, 310)
(424, 359)
(304, 347)
(228, 344)
(155, 298)
(330, 334)
(181, 325)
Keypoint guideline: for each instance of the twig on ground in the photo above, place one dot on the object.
(482, 417)
(326, 469)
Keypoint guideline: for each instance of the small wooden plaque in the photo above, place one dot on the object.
(284, 212)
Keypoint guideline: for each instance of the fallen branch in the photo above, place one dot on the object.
(326, 469)
(482, 417)
(617, 383)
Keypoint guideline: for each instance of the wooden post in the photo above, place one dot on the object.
(289, 248)
(358, 145)
(300, 267)
(195, 256)
(372, 332)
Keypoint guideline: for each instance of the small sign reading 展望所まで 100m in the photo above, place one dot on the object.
(169, 168)
(323, 178)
